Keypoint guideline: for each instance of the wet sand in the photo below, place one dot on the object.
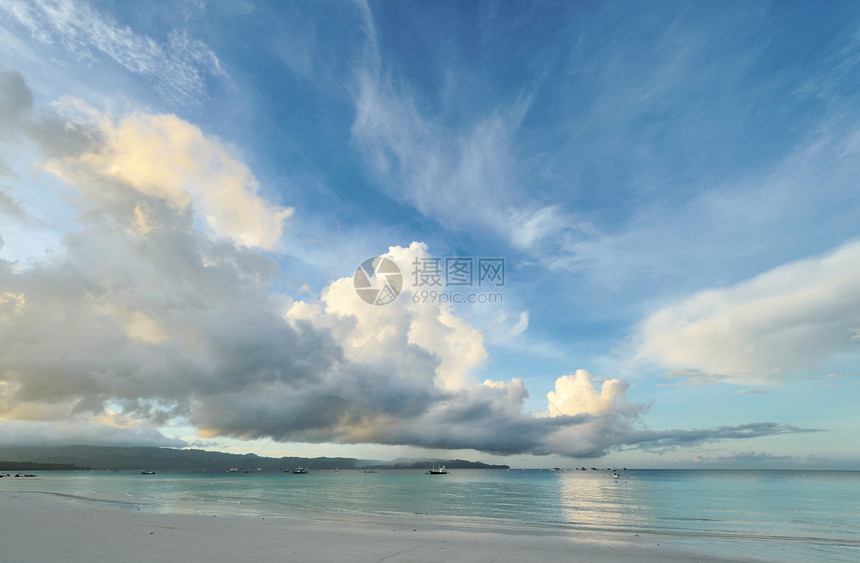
(48, 526)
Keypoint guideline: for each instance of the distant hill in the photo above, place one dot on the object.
(99, 457)
(36, 466)
(450, 464)
(135, 458)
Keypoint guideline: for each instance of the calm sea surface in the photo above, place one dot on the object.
(771, 515)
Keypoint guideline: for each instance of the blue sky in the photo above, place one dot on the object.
(186, 190)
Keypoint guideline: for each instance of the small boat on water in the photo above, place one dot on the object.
(437, 470)
(147, 472)
(300, 470)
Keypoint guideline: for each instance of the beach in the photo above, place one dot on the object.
(51, 526)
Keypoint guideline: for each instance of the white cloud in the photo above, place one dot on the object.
(470, 176)
(455, 178)
(531, 227)
(433, 330)
(798, 317)
(168, 158)
(576, 394)
(178, 65)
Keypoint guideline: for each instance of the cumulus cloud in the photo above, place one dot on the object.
(576, 394)
(141, 320)
(433, 330)
(173, 326)
(178, 65)
(799, 317)
(164, 156)
(156, 155)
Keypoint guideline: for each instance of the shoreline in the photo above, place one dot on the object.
(41, 526)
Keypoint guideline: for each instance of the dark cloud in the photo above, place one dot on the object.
(678, 438)
(53, 135)
(16, 102)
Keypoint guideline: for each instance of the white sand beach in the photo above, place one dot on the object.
(51, 527)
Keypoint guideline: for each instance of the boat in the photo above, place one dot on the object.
(233, 470)
(147, 472)
(437, 470)
(300, 470)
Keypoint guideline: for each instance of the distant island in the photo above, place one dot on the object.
(37, 466)
(450, 464)
(137, 458)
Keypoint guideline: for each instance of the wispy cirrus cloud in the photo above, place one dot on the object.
(460, 176)
(661, 212)
(457, 178)
(178, 65)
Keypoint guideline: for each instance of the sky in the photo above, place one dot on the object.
(534, 233)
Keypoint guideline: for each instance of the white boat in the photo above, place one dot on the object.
(300, 470)
(437, 470)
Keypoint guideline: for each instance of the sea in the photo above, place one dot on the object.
(764, 515)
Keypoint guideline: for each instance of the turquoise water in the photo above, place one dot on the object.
(770, 515)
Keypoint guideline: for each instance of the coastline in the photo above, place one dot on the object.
(42, 526)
